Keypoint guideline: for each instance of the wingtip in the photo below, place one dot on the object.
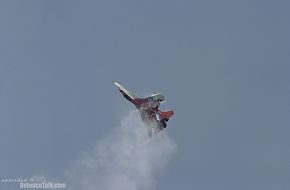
(115, 82)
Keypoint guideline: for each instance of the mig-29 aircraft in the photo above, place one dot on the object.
(154, 119)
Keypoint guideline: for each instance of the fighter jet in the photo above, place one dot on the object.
(154, 119)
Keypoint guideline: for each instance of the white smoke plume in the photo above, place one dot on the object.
(122, 161)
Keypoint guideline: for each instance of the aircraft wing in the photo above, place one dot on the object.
(125, 92)
(130, 96)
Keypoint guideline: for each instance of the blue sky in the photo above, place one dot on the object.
(223, 66)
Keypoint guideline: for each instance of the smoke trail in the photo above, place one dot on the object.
(119, 162)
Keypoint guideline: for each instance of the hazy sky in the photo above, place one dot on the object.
(223, 66)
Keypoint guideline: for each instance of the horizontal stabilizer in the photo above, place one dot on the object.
(166, 114)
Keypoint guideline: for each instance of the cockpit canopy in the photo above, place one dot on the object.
(158, 97)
